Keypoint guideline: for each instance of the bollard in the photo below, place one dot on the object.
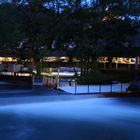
(88, 88)
(121, 86)
(100, 88)
(111, 87)
(75, 87)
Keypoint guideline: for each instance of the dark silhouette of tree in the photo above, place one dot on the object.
(82, 28)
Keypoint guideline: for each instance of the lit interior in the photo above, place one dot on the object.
(17, 74)
(119, 60)
(8, 59)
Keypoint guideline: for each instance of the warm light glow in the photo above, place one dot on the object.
(124, 60)
(119, 60)
(60, 73)
(50, 59)
(15, 74)
(7, 73)
(23, 74)
(8, 59)
(105, 19)
(63, 57)
(54, 59)
(103, 60)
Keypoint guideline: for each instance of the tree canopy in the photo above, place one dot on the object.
(31, 28)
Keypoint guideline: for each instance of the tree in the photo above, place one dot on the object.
(90, 27)
(9, 29)
(118, 26)
(35, 25)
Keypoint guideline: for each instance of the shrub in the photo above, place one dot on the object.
(94, 77)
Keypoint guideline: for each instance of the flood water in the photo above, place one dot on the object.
(89, 119)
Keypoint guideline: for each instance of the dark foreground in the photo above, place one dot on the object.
(78, 119)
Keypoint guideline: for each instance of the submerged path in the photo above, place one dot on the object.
(37, 95)
(46, 114)
(88, 119)
(41, 94)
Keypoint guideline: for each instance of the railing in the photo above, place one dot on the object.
(75, 88)
(51, 82)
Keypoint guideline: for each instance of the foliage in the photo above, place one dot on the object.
(94, 77)
(10, 34)
(34, 27)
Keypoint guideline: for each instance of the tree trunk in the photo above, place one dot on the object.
(38, 68)
(110, 62)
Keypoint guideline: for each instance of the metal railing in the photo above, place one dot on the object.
(75, 88)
